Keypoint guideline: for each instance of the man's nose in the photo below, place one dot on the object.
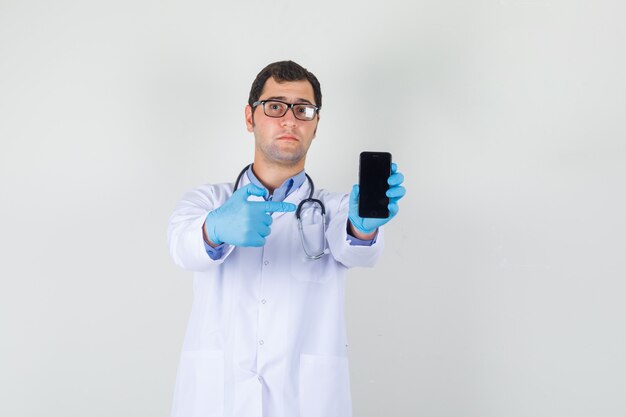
(289, 119)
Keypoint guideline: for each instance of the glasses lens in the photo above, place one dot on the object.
(304, 112)
(274, 108)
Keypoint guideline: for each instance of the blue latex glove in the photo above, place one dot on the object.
(240, 222)
(395, 193)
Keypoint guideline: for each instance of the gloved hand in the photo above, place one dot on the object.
(395, 193)
(240, 222)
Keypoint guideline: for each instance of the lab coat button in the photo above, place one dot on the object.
(261, 342)
(263, 301)
(266, 263)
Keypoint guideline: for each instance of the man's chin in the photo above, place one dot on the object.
(286, 156)
(286, 161)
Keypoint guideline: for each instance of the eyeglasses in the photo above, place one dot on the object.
(277, 108)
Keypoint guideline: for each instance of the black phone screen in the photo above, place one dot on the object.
(374, 170)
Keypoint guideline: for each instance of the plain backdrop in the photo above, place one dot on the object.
(501, 290)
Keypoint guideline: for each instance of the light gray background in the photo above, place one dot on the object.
(501, 289)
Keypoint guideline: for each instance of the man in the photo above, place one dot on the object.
(266, 335)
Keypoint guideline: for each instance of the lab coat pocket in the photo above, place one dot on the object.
(304, 268)
(199, 384)
(324, 386)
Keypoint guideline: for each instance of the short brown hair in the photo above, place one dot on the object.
(284, 71)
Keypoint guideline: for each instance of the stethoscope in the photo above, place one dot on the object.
(310, 200)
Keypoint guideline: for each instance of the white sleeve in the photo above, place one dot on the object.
(339, 244)
(184, 233)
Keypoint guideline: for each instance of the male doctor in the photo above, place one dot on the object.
(266, 336)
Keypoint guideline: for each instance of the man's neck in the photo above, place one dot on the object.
(273, 175)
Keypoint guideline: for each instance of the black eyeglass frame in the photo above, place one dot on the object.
(289, 106)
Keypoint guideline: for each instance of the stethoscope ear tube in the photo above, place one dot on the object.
(238, 180)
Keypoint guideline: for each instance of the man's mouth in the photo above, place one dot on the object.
(287, 137)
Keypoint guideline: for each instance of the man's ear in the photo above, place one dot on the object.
(249, 118)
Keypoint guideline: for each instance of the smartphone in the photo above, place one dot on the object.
(374, 170)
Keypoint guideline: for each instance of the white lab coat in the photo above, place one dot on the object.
(266, 335)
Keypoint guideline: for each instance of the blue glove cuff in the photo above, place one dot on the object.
(209, 228)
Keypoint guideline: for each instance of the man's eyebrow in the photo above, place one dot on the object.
(283, 98)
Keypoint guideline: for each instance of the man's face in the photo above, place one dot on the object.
(282, 140)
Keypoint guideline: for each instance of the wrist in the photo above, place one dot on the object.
(361, 232)
(361, 235)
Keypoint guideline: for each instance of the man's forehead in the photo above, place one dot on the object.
(301, 89)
